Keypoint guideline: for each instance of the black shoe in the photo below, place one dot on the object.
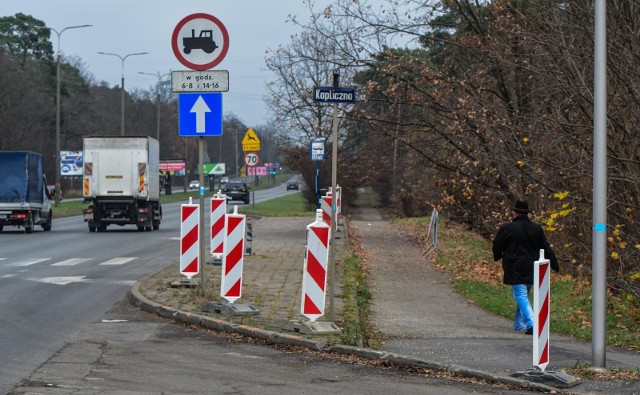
(529, 331)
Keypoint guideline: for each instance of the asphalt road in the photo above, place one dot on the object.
(128, 351)
(52, 284)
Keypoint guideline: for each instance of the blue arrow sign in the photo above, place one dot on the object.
(200, 114)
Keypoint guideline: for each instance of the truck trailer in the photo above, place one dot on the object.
(24, 198)
(121, 182)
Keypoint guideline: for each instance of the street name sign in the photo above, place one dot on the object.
(200, 41)
(200, 81)
(328, 94)
(200, 114)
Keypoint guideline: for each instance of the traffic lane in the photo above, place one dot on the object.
(53, 283)
(38, 318)
(131, 351)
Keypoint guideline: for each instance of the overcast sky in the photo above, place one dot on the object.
(132, 26)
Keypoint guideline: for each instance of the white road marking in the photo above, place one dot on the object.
(28, 262)
(62, 280)
(235, 354)
(71, 262)
(113, 321)
(117, 261)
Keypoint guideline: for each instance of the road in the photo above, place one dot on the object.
(52, 284)
(67, 328)
(129, 351)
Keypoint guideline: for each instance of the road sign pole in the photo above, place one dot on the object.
(334, 176)
(201, 171)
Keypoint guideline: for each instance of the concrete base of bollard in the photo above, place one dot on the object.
(184, 283)
(230, 308)
(214, 261)
(550, 378)
(312, 328)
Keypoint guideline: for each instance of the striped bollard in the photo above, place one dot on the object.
(314, 276)
(325, 206)
(338, 203)
(218, 210)
(189, 239)
(541, 311)
(233, 257)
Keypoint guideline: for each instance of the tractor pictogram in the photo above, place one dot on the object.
(204, 42)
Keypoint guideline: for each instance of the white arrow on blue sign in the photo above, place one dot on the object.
(200, 114)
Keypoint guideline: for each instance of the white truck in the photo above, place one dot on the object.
(121, 182)
(24, 198)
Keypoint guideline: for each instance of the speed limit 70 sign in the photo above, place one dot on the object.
(251, 159)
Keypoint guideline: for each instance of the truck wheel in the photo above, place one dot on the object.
(102, 228)
(156, 225)
(140, 228)
(47, 226)
(92, 228)
(1, 228)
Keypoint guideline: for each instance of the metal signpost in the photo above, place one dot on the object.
(334, 95)
(200, 42)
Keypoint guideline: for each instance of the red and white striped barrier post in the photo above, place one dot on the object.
(190, 239)
(338, 203)
(541, 311)
(233, 257)
(218, 210)
(314, 276)
(325, 206)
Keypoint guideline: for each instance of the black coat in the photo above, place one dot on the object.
(518, 244)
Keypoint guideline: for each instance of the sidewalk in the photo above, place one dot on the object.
(426, 323)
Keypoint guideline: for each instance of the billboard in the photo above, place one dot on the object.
(71, 163)
(174, 167)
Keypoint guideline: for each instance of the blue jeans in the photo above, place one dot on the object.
(524, 313)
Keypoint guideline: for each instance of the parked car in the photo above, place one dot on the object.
(52, 192)
(293, 185)
(194, 184)
(236, 190)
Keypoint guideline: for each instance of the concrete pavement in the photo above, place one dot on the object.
(425, 322)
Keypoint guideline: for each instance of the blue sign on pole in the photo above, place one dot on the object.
(200, 114)
(327, 94)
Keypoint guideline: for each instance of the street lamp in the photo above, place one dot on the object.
(122, 58)
(58, 190)
(160, 76)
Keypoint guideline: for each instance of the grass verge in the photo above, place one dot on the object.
(356, 329)
(292, 205)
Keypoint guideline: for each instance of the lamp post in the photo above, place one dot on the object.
(122, 59)
(159, 76)
(58, 190)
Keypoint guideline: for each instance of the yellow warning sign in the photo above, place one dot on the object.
(250, 142)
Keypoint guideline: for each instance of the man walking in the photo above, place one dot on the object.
(518, 244)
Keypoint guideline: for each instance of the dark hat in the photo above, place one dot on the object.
(522, 206)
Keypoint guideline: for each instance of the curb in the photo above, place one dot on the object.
(137, 299)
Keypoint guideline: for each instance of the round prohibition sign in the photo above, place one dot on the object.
(251, 159)
(200, 41)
